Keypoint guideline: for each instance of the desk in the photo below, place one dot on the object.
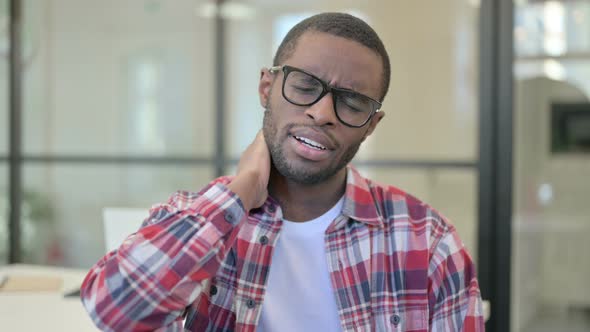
(44, 311)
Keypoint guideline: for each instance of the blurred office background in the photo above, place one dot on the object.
(122, 103)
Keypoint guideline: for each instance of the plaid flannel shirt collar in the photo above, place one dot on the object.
(360, 202)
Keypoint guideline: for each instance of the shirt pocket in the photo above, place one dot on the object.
(415, 320)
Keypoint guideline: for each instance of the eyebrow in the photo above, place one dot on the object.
(354, 87)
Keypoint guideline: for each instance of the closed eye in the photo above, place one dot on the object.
(305, 89)
(355, 104)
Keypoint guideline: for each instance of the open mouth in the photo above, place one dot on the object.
(310, 143)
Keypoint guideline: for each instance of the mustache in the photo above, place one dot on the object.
(268, 113)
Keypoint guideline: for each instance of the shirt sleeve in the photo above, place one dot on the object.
(454, 297)
(146, 283)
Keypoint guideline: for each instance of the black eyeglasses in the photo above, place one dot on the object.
(304, 89)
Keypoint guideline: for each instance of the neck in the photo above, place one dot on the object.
(303, 202)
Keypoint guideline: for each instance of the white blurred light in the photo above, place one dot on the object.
(554, 70)
(475, 3)
(579, 16)
(545, 193)
(554, 21)
(230, 10)
(520, 34)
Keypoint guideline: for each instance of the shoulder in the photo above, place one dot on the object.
(417, 227)
(402, 212)
(182, 199)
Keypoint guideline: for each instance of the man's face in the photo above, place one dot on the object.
(308, 144)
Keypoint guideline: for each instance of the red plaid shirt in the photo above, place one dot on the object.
(394, 262)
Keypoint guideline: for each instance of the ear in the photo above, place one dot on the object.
(373, 123)
(264, 86)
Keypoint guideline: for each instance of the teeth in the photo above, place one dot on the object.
(311, 143)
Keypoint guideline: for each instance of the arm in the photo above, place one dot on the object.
(454, 297)
(148, 281)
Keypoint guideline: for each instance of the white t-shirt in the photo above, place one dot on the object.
(299, 295)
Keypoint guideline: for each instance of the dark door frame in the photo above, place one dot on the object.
(495, 158)
(15, 153)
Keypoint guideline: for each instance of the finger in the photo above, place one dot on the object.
(259, 137)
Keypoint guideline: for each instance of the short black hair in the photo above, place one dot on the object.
(341, 25)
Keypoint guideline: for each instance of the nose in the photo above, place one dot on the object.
(323, 112)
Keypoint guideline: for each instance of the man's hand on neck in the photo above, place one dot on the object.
(251, 181)
(299, 202)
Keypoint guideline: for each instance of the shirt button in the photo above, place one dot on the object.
(395, 319)
(271, 209)
(250, 303)
(213, 290)
(229, 218)
(263, 240)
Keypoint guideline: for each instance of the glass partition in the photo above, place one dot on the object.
(117, 78)
(552, 185)
(62, 216)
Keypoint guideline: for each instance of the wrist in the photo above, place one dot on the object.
(242, 186)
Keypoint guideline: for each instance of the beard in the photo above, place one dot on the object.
(299, 174)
